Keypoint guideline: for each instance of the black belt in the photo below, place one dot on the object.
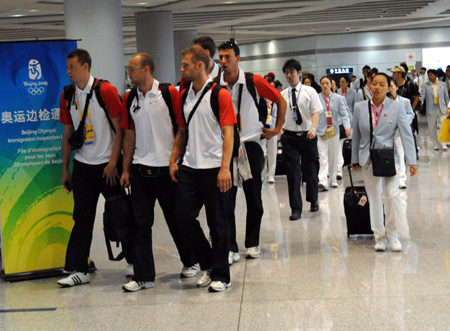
(296, 134)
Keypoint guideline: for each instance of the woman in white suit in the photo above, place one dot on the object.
(400, 162)
(329, 149)
(352, 97)
(387, 117)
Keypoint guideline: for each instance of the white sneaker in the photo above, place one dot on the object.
(444, 147)
(270, 179)
(130, 270)
(334, 185)
(76, 278)
(380, 246)
(403, 186)
(188, 272)
(218, 286)
(436, 147)
(136, 285)
(233, 257)
(396, 245)
(253, 252)
(204, 280)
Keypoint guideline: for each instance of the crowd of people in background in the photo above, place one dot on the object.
(193, 146)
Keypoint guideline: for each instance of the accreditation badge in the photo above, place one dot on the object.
(89, 137)
(436, 100)
(269, 119)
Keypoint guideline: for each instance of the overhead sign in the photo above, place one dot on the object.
(338, 71)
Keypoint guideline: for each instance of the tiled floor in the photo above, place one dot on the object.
(309, 277)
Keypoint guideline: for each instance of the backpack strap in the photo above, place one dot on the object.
(69, 91)
(261, 106)
(215, 107)
(131, 96)
(164, 87)
(101, 102)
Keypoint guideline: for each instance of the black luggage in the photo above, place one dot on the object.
(118, 221)
(356, 206)
(347, 152)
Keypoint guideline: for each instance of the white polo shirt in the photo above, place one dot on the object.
(204, 145)
(308, 103)
(251, 127)
(100, 150)
(152, 125)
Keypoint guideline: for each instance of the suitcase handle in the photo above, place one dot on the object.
(349, 167)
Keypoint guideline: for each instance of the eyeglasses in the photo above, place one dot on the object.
(290, 72)
(131, 69)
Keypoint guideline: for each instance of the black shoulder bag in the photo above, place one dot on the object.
(76, 139)
(383, 160)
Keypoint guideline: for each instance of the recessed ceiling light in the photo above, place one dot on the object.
(17, 15)
(33, 10)
(142, 3)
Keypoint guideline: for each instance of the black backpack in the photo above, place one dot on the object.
(164, 88)
(69, 92)
(260, 104)
(214, 101)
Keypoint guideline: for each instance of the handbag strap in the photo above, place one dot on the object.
(86, 106)
(371, 123)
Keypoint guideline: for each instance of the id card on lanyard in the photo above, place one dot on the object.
(89, 135)
(328, 114)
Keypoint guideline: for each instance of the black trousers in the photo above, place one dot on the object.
(195, 188)
(88, 183)
(145, 191)
(298, 149)
(252, 190)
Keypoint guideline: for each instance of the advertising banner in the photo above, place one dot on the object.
(35, 212)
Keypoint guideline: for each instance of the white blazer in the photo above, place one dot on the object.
(392, 118)
(339, 112)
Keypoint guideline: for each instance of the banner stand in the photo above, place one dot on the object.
(35, 212)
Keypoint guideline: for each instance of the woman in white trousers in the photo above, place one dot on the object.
(387, 117)
(335, 112)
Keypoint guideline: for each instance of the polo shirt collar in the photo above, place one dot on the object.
(153, 91)
(88, 86)
(191, 93)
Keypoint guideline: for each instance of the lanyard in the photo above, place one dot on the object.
(377, 113)
(290, 98)
(435, 88)
(328, 114)
(79, 107)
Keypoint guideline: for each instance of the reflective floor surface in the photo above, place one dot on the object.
(310, 275)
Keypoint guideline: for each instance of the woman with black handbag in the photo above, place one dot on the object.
(375, 123)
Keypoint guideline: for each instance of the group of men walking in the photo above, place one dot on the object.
(187, 150)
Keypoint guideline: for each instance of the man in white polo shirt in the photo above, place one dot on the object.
(96, 167)
(254, 136)
(150, 127)
(204, 176)
(300, 139)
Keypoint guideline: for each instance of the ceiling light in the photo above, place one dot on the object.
(17, 15)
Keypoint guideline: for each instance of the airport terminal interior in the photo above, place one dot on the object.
(310, 275)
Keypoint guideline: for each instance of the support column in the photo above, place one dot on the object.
(98, 23)
(182, 40)
(154, 35)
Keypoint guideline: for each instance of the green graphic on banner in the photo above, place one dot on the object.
(35, 212)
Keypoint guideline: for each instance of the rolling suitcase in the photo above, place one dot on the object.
(356, 206)
(347, 152)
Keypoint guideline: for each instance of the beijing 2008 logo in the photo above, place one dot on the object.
(35, 86)
(34, 70)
